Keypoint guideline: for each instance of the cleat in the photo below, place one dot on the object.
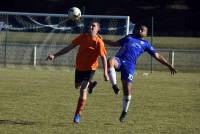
(91, 87)
(116, 89)
(123, 116)
(76, 118)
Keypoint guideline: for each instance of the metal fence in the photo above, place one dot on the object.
(34, 55)
(23, 37)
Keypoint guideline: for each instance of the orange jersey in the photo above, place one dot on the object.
(90, 48)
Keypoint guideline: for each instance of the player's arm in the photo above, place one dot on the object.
(105, 67)
(111, 43)
(162, 60)
(61, 52)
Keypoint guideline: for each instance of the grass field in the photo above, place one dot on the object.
(42, 101)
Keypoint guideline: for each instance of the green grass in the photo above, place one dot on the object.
(42, 101)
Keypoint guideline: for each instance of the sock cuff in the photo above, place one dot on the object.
(111, 69)
(127, 97)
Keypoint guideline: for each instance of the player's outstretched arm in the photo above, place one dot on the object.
(111, 43)
(105, 67)
(61, 52)
(162, 60)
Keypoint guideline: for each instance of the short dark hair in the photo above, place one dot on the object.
(136, 29)
(95, 21)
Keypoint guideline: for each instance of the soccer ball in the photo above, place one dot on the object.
(74, 13)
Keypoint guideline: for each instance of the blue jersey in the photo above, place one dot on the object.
(132, 48)
(126, 57)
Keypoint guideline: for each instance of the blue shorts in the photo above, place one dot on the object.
(127, 69)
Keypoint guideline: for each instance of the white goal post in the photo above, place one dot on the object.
(127, 18)
(26, 38)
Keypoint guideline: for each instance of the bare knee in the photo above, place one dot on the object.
(111, 62)
(83, 94)
(83, 90)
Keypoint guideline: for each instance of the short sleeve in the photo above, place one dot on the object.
(102, 48)
(150, 49)
(121, 41)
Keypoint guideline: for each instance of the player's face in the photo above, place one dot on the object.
(94, 28)
(143, 31)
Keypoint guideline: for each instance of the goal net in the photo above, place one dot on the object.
(27, 38)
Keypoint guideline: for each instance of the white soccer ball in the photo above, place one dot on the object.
(74, 13)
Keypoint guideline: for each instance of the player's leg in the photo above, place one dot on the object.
(126, 99)
(86, 77)
(92, 86)
(79, 77)
(113, 63)
(127, 73)
(81, 101)
(82, 97)
(77, 85)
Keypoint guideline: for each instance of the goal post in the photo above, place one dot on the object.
(27, 38)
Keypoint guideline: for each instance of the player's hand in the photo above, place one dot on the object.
(50, 57)
(106, 78)
(173, 70)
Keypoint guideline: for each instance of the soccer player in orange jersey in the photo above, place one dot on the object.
(91, 46)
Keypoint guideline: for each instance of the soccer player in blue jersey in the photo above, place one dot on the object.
(131, 47)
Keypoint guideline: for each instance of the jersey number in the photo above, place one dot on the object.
(130, 77)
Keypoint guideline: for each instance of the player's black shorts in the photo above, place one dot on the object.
(83, 75)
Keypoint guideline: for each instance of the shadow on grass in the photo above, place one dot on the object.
(109, 124)
(63, 124)
(17, 122)
(23, 122)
